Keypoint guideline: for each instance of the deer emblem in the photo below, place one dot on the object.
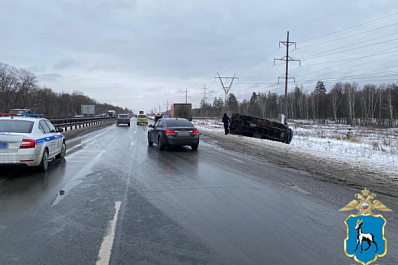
(368, 237)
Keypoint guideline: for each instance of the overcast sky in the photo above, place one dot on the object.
(144, 54)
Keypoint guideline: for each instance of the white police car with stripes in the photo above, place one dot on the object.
(30, 141)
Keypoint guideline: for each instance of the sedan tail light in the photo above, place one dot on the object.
(195, 132)
(170, 132)
(27, 143)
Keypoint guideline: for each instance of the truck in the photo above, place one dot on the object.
(111, 112)
(20, 112)
(181, 110)
(260, 128)
(24, 112)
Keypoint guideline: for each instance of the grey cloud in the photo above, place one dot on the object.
(50, 77)
(65, 63)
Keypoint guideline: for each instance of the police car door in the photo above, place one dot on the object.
(48, 137)
(56, 137)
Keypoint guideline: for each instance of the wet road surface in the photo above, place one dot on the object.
(116, 200)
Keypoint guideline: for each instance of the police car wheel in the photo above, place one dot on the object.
(44, 162)
(63, 151)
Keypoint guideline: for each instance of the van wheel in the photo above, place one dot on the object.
(289, 136)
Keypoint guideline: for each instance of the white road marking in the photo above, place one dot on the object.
(86, 141)
(104, 254)
(131, 145)
(237, 160)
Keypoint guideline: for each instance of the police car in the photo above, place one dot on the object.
(29, 141)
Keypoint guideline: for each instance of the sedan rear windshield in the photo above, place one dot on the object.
(16, 126)
(141, 116)
(123, 116)
(178, 123)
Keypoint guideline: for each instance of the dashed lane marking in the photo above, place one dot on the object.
(106, 246)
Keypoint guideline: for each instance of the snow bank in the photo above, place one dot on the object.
(375, 149)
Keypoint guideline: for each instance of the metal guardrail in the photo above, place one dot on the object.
(78, 123)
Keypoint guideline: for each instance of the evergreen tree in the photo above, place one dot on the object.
(232, 103)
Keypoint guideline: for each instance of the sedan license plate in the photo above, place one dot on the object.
(3, 145)
(184, 133)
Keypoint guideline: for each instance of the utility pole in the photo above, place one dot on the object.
(226, 89)
(204, 101)
(167, 105)
(287, 58)
(186, 95)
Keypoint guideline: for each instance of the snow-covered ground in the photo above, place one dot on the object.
(373, 148)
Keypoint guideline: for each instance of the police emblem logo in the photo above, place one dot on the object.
(365, 240)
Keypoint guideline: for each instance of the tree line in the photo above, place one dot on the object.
(344, 103)
(19, 89)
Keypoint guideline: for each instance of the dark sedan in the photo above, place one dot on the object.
(123, 119)
(173, 132)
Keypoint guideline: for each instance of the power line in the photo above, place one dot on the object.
(333, 11)
(349, 36)
(349, 28)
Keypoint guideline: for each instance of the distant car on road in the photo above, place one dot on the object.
(142, 118)
(30, 142)
(123, 119)
(173, 132)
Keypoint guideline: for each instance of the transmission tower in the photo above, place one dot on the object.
(287, 58)
(226, 88)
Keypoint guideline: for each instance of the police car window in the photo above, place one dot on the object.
(44, 127)
(16, 126)
(50, 126)
(41, 128)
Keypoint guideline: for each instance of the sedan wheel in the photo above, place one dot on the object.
(160, 146)
(44, 162)
(149, 140)
(195, 147)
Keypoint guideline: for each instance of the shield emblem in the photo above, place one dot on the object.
(365, 237)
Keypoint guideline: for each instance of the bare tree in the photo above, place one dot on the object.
(390, 107)
(349, 93)
(336, 95)
(26, 85)
(8, 86)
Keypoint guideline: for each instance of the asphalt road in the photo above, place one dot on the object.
(116, 200)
